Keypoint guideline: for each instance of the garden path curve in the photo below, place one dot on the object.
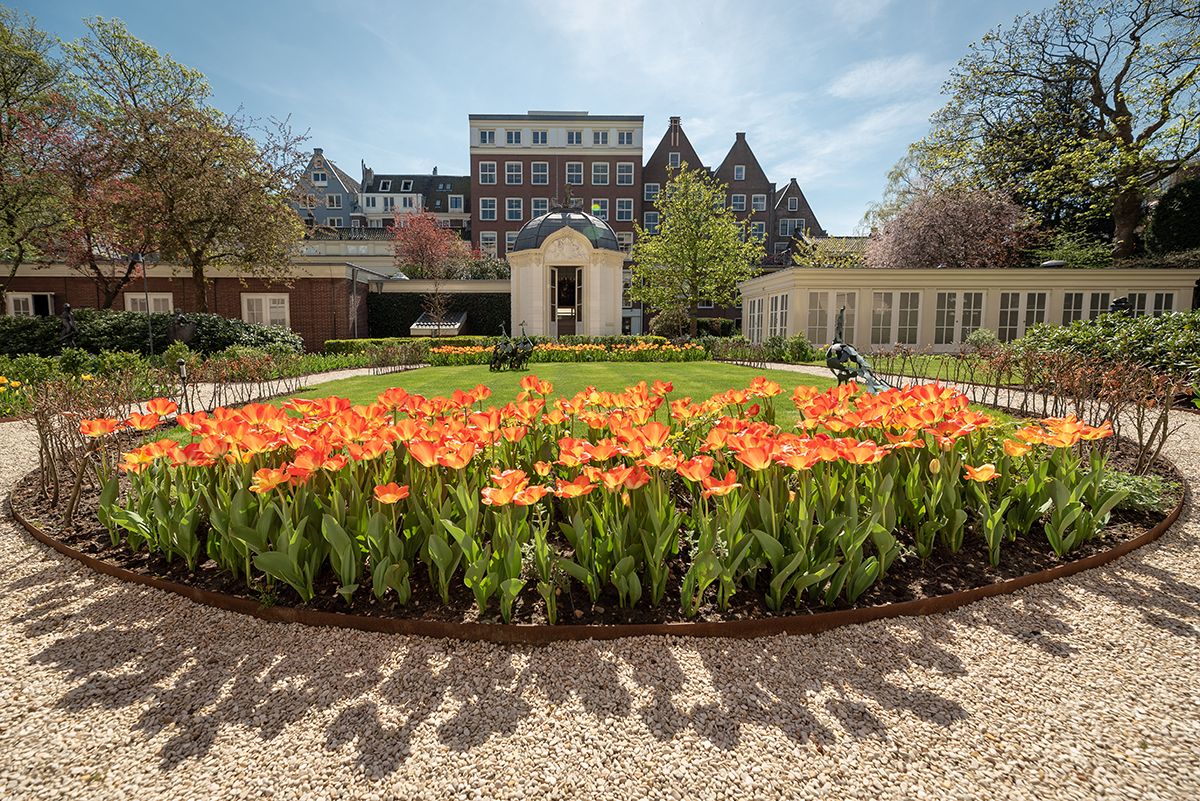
(1084, 688)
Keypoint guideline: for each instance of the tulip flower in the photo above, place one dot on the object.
(98, 427)
(162, 406)
(390, 493)
(982, 473)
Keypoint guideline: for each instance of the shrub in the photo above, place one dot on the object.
(1169, 344)
(982, 339)
(1077, 250)
(1175, 224)
(799, 350)
(670, 323)
(390, 314)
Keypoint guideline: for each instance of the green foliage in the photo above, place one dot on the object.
(1078, 250)
(1175, 224)
(700, 250)
(671, 322)
(390, 314)
(982, 339)
(1168, 344)
(1180, 260)
(1148, 493)
(831, 251)
(798, 349)
(715, 326)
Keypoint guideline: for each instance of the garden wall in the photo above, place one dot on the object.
(389, 314)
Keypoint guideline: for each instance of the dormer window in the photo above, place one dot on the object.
(406, 186)
(320, 178)
(385, 186)
(739, 172)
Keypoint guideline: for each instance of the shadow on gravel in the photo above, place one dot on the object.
(194, 673)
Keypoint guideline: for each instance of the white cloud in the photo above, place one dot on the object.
(883, 77)
(855, 14)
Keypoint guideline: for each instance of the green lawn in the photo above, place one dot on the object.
(697, 379)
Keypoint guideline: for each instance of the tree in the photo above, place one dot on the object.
(1076, 110)
(830, 251)
(955, 228)
(1175, 224)
(699, 252)
(31, 126)
(216, 186)
(425, 249)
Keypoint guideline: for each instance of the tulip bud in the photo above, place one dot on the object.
(935, 466)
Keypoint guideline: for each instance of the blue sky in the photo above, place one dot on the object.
(830, 93)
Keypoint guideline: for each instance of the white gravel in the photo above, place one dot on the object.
(1086, 688)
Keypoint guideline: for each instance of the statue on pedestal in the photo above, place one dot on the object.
(847, 363)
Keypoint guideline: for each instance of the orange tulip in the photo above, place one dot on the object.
(162, 406)
(577, 488)
(542, 468)
(697, 468)
(638, 477)
(982, 473)
(723, 487)
(99, 427)
(661, 388)
(390, 493)
(1016, 449)
(267, 479)
(143, 422)
(424, 451)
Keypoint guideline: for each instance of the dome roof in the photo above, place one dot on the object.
(535, 232)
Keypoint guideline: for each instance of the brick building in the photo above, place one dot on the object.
(522, 163)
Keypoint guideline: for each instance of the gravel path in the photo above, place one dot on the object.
(1086, 688)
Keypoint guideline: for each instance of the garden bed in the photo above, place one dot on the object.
(944, 582)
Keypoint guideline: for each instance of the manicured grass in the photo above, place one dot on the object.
(700, 380)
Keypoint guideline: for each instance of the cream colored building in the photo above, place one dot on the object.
(936, 310)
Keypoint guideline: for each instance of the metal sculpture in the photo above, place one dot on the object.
(66, 335)
(509, 352)
(847, 363)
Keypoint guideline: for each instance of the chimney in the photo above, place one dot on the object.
(367, 174)
(674, 128)
(435, 170)
(317, 151)
(741, 136)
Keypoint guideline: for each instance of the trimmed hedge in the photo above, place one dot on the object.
(103, 330)
(1170, 344)
(390, 314)
(364, 345)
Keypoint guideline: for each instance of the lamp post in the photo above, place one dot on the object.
(136, 258)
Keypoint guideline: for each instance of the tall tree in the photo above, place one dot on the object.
(32, 117)
(216, 185)
(1076, 110)
(425, 249)
(700, 251)
(954, 228)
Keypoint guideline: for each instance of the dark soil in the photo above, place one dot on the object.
(908, 578)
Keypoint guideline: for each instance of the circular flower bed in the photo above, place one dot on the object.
(665, 507)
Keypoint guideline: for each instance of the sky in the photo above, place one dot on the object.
(830, 93)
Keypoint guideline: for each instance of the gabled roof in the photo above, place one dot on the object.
(741, 153)
(348, 184)
(673, 141)
(792, 189)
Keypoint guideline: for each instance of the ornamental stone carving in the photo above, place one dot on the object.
(566, 249)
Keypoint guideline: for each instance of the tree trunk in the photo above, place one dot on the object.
(1126, 214)
(693, 323)
(199, 284)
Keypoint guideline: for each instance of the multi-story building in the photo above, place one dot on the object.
(327, 196)
(674, 150)
(447, 197)
(751, 193)
(793, 217)
(522, 164)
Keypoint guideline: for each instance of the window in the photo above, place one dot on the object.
(514, 209)
(333, 201)
(758, 202)
(1035, 309)
(625, 242)
(374, 223)
(406, 186)
(600, 208)
(575, 173)
(389, 204)
(541, 137)
(487, 137)
(1072, 307)
(650, 193)
(672, 159)
(320, 178)
(624, 137)
(773, 320)
(355, 222)
(881, 318)
(972, 314)
(625, 209)
(510, 239)
(487, 208)
(385, 186)
(308, 201)
(487, 172)
(599, 173)
(371, 199)
(625, 173)
(539, 173)
(599, 137)
(945, 317)
(487, 242)
(1137, 304)
(1164, 303)
(626, 283)
(910, 309)
(1010, 310)
(780, 247)
(574, 137)
(30, 304)
(818, 318)
(577, 203)
(650, 222)
(755, 320)
(793, 204)
(737, 202)
(739, 172)
(539, 206)
(512, 172)
(704, 303)
(407, 202)
(336, 222)
(512, 137)
(783, 315)
(263, 309)
(160, 302)
(456, 203)
(758, 230)
(951, 326)
(1098, 305)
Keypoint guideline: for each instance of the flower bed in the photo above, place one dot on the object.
(659, 497)
(453, 355)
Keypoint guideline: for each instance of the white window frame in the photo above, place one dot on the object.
(625, 173)
(1164, 303)
(650, 192)
(1135, 308)
(408, 202)
(624, 209)
(624, 137)
(600, 138)
(793, 204)
(456, 206)
(1096, 309)
(737, 202)
(650, 222)
(10, 299)
(543, 173)
(334, 222)
(758, 202)
(539, 206)
(577, 167)
(758, 230)
(625, 242)
(484, 214)
(487, 136)
(1070, 311)
(510, 239)
(512, 137)
(385, 186)
(540, 137)
(333, 201)
(488, 243)
(754, 319)
(375, 223)
(739, 172)
(604, 165)
(485, 173)
(136, 302)
(900, 319)
(954, 320)
(266, 299)
(513, 177)
(673, 160)
(514, 205)
(389, 203)
(574, 137)
(406, 185)
(600, 208)
(372, 201)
